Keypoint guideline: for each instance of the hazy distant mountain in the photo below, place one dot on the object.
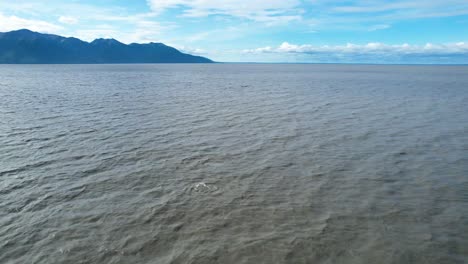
(25, 46)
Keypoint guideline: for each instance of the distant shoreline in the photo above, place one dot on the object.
(252, 63)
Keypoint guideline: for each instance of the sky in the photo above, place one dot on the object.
(304, 31)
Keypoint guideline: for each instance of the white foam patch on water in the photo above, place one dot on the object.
(202, 187)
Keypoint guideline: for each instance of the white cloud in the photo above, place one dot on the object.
(374, 52)
(68, 20)
(190, 50)
(270, 11)
(9, 23)
(363, 6)
(375, 48)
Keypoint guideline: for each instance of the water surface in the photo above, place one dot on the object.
(233, 164)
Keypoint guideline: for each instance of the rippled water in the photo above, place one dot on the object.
(233, 163)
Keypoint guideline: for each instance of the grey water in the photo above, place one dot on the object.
(233, 163)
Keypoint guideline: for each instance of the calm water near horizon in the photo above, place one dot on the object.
(233, 163)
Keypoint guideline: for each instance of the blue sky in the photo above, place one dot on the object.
(367, 31)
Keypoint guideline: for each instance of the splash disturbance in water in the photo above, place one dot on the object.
(233, 164)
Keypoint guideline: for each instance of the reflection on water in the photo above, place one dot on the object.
(233, 164)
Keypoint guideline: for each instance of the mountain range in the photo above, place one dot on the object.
(28, 47)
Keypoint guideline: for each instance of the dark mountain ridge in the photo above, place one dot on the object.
(28, 47)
